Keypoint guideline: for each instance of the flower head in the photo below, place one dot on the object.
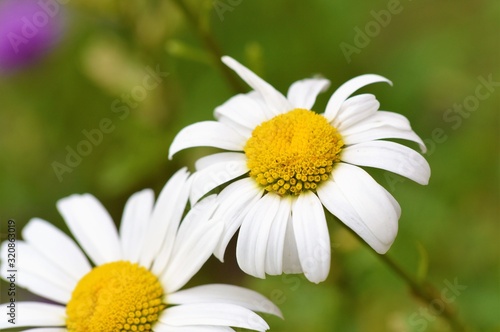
(294, 162)
(28, 29)
(137, 272)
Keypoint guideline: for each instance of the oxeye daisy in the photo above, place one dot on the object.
(291, 162)
(134, 280)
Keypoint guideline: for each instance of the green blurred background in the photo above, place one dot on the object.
(433, 51)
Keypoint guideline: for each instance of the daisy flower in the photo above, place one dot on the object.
(137, 272)
(291, 162)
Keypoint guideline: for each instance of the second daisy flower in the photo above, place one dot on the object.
(297, 162)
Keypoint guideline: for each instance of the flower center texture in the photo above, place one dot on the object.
(293, 152)
(118, 296)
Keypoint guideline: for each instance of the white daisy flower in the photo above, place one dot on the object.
(137, 272)
(293, 162)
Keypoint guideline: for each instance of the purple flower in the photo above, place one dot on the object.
(28, 30)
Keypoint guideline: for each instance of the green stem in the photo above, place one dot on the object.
(212, 46)
(425, 291)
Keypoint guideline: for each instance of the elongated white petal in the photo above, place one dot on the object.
(254, 234)
(377, 119)
(197, 216)
(190, 254)
(43, 287)
(92, 226)
(347, 89)
(393, 201)
(233, 203)
(162, 327)
(382, 133)
(381, 125)
(244, 110)
(216, 158)
(135, 221)
(390, 156)
(291, 260)
(207, 133)
(362, 204)
(276, 241)
(38, 273)
(355, 109)
(35, 314)
(165, 218)
(303, 93)
(229, 166)
(276, 102)
(312, 237)
(221, 293)
(218, 314)
(57, 247)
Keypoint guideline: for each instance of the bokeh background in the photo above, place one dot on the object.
(437, 53)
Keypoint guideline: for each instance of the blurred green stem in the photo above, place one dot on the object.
(425, 291)
(212, 46)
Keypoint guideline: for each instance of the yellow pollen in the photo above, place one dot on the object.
(118, 296)
(293, 152)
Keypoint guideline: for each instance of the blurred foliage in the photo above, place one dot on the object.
(433, 51)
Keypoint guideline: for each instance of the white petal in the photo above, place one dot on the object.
(230, 165)
(355, 109)
(233, 203)
(221, 293)
(207, 133)
(276, 241)
(275, 100)
(382, 133)
(312, 237)
(38, 274)
(347, 89)
(197, 216)
(215, 158)
(190, 254)
(379, 126)
(377, 119)
(35, 314)
(303, 93)
(254, 234)
(393, 201)
(57, 247)
(390, 156)
(362, 204)
(162, 327)
(135, 220)
(291, 260)
(219, 314)
(244, 110)
(165, 219)
(92, 226)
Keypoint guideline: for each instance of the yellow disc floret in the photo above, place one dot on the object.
(118, 296)
(293, 152)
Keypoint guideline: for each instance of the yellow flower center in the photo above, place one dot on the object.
(293, 152)
(118, 296)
